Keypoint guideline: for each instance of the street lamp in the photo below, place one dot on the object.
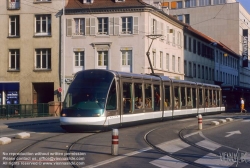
(152, 37)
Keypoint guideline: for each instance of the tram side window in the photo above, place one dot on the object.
(138, 96)
(127, 97)
(194, 97)
(210, 98)
(218, 98)
(157, 98)
(189, 98)
(167, 103)
(214, 98)
(176, 98)
(183, 97)
(206, 98)
(148, 96)
(112, 99)
(200, 97)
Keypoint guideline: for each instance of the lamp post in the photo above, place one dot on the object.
(152, 37)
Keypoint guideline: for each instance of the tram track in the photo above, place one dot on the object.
(68, 150)
(171, 154)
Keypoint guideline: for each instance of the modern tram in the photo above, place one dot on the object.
(103, 99)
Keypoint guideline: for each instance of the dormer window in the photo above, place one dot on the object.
(119, 0)
(88, 1)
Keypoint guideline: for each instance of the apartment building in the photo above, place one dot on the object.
(29, 51)
(116, 35)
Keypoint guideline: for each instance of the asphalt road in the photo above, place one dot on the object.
(95, 149)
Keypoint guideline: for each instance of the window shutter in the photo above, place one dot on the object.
(111, 26)
(87, 28)
(69, 27)
(116, 26)
(158, 26)
(162, 31)
(152, 26)
(135, 25)
(92, 26)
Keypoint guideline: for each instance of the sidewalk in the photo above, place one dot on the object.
(17, 122)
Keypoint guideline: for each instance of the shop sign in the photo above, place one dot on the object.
(245, 48)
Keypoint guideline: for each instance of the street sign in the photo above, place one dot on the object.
(59, 89)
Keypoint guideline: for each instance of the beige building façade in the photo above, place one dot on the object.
(29, 51)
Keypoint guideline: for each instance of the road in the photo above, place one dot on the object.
(214, 146)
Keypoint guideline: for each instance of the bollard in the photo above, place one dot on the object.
(200, 121)
(115, 142)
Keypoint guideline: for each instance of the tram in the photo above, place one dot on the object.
(103, 99)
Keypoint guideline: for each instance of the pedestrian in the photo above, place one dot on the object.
(242, 107)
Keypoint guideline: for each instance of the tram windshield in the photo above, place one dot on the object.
(88, 92)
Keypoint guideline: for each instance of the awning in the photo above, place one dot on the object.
(9, 86)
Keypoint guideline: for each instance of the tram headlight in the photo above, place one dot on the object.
(63, 115)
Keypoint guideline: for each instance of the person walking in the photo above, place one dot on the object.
(242, 107)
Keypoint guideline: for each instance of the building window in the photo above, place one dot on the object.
(216, 2)
(153, 60)
(161, 53)
(14, 27)
(187, 18)
(102, 25)
(204, 2)
(190, 69)
(199, 48)
(173, 63)
(103, 58)
(14, 59)
(179, 64)
(154, 28)
(179, 38)
(190, 44)
(79, 58)
(203, 72)
(179, 4)
(185, 67)
(173, 37)
(180, 18)
(126, 60)
(194, 46)
(13, 4)
(185, 42)
(194, 71)
(199, 71)
(127, 25)
(43, 25)
(79, 26)
(43, 59)
(167, 61)
(190, 3)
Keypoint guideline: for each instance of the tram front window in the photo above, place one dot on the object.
(87, 94)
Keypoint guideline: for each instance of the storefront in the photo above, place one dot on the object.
(232, 95)
(9, 93)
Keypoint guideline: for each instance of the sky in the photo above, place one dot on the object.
(245, 4)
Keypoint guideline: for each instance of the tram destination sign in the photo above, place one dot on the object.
(245, 48)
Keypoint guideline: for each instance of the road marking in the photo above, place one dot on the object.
(168, 162)
(173, 146)
(213, 161)
(117, 158)
(232, 133)
(208, 145)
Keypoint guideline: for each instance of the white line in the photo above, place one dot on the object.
(117, 158)
(168, 162)
(208, 144)
(173, 146)
(213, 161)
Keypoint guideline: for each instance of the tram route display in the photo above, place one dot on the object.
(103, 99)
